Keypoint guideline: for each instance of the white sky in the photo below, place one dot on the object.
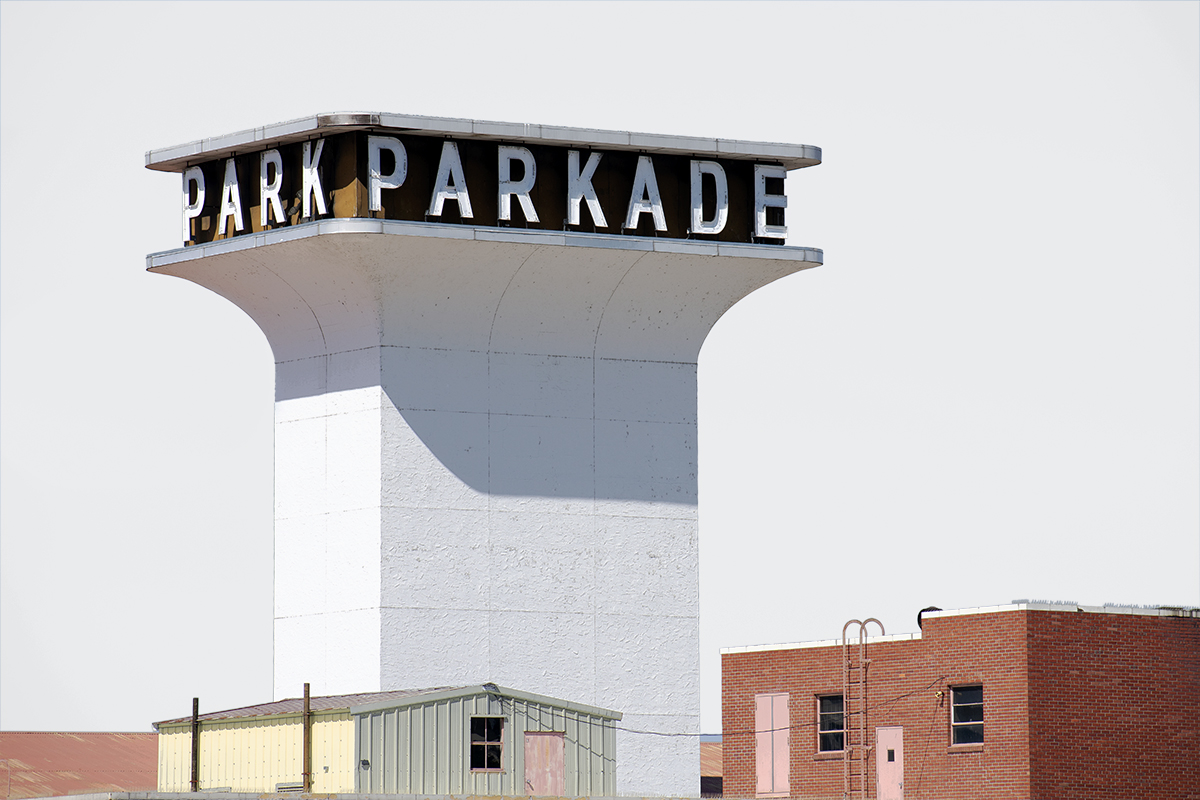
(990, 391)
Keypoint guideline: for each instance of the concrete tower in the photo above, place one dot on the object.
(485, 341)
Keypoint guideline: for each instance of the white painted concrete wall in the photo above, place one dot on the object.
(486, 463)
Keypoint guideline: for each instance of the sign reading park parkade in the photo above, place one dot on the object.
(450, 171)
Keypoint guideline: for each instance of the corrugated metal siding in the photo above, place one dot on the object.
(52, 763)
(425, 749)
(174, 759)
(249, 756)
(254, 755)
(333, 754)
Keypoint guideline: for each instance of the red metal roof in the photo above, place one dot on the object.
(46, 764)
(710, 759)
(294, 705)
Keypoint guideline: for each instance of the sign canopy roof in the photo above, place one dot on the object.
(180, 157)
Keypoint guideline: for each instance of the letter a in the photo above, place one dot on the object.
(645, 197)
(231, 200)
(268, 189)
(450, 169)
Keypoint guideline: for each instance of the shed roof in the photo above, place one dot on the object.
(295, 705)
(49, 764)
(365, 702)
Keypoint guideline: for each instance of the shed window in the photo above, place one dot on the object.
(487, 743)
(966, 721)
(831, 736)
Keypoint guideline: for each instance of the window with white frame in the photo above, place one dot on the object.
(831, 724)
(966, 714)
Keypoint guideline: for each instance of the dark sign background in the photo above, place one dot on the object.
(343, 170)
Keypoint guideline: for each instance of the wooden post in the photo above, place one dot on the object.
(307, 743)
(195, 744)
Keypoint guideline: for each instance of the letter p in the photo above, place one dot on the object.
(192, 208)
(394, 179)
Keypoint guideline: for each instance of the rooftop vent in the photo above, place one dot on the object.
(1025, 601)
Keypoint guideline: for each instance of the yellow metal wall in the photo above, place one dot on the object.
(256, 754)
(174, 759)
(333, 754)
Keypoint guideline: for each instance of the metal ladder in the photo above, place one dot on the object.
(856, 756)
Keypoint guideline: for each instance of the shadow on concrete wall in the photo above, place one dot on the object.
(543, 426)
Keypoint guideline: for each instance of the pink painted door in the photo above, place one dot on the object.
(889, 763)
(771, 738)
(545, 764)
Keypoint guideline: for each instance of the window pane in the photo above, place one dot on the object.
(831, 704)
(486, 737)
(831, 742)
(968, 713)
(968, 694)
(832, 722)
(968, 734)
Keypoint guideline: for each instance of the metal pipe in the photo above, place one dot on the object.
(195, 744)
(865, 765)
(855, 735)
(307, 775)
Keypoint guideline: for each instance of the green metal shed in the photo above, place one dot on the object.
(484, 740)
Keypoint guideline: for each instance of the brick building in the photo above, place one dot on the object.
(1008, 702)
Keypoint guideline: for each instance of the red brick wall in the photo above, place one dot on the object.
(905, 679)
(1114, 706)
(1076, 705)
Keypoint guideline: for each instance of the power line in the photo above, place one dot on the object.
(799, 726)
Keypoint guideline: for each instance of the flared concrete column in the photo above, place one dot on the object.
(486, 460)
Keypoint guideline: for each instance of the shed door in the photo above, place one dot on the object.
(544, 764)
(889, 762)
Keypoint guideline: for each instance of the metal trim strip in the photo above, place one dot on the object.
(537, 238)
(177, 158)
